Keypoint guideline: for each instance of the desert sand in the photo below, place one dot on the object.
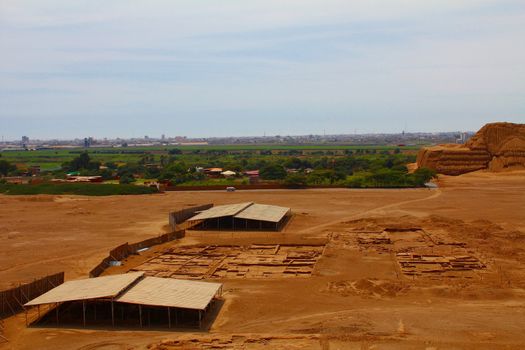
(359, 295)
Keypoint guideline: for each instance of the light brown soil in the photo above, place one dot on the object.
(357, 297)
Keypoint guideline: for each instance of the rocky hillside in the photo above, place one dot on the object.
(496, 146)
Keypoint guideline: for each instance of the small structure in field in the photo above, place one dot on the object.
(247, 216)
(213, 172)
(78, 178)
(253, 176)
(228, 173)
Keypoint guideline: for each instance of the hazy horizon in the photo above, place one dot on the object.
(206, 69)
(158, 137)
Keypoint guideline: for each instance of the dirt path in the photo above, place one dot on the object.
(370, 212)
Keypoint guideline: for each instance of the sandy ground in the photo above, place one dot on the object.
(356, 299)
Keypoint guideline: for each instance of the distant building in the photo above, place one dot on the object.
(74, 178)
(213, 172)
(25, 141)
(463, 137)
(88, 141)
(253, 176)
(34, 170)
(228, 173)
(17, 180)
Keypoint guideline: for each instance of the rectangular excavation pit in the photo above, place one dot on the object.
(418, 253)
(253, 261)
(413, 264)
(397, 240)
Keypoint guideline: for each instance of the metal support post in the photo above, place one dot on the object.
(140, 315)
(112, 313)
(84, 312)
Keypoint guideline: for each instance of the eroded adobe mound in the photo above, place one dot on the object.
(496, 146)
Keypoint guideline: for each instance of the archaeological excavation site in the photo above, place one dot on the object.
(274, 269)
(262, 175)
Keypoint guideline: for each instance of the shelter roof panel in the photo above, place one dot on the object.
(171, 292)
(90, 288)
(221, 211)
(263, 212)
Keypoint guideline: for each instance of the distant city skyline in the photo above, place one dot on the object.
(94, 140)
(248, 68)
(166, 135)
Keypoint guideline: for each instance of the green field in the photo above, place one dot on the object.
(83, 189)
(294, 147)
(53, 159)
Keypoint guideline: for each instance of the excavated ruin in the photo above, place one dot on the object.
(496, 147)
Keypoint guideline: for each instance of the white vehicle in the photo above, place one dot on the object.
(230, 189)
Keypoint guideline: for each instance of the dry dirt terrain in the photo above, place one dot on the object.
(400, 269)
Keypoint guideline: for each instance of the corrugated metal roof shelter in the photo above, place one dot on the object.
(221, 211)
(171, 292)
(263, 212)
(126, 295)
(242, 216)
(85, 289)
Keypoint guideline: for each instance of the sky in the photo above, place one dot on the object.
(202, 68)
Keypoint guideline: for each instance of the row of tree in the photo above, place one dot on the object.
(384, 178)
(380, 170)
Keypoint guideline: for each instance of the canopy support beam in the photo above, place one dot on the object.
(84, 313)
(140, 315)
(112, 313)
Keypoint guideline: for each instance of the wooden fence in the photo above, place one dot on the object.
(223, 187)
(3, 339)
(13, 300)
(124, 250)
(178, 217)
